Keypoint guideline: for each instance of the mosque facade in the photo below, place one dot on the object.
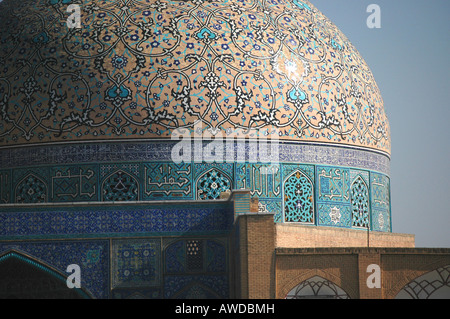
(195, 149)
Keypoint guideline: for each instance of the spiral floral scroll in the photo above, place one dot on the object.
(145, 68)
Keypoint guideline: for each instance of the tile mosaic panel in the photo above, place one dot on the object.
(213, 179)
(120, 182)
(5, 186)
(360, 203)
(175, 258)
(136, 263)
(167, 181)
(31, 186)
(113, 221)
(160, 151)
(274, 206)
(102, 180)
(381, 205)
(74, 183)
(136, 293)
(263, 180)
(211, 253)
(215, 256)
(333, 196)
(298, 194)
(196, 287)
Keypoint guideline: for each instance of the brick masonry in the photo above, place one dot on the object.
(269, 270)
(347, 268)
(294, 236)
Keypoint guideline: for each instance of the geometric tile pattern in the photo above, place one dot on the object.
(196, 287)
(5, 186)
(161, 152)
(360, 203)
(298, 196)
(329, 200)
(67, 222)
(179, 257)
(195, 268)
(136, 263)
(381, 204)
(31, 190)
(213, 178)
(212, 183)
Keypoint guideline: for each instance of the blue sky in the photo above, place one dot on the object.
(409, 57)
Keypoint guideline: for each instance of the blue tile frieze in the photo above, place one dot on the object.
(70, 222)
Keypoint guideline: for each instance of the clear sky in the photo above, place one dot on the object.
(410, 59)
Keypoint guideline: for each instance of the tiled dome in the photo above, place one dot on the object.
(141, 69)
(89, 114)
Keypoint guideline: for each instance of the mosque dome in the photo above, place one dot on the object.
(141, 69)
(104, 98)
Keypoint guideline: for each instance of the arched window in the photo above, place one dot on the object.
(194, 256)
(360, 203)
(317, 288)
(23, 278)
(196, 268)
(433, 285)
(298, 199)
(212, 183)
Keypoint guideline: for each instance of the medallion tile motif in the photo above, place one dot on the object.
(139, 69)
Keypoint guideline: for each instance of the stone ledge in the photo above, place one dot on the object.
(300, 236)
(361, 250)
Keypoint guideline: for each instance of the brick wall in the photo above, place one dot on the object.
(347, 268)
(298, 236)
(271, 259)
(294, 266)
(366, 259)
(257, 250)
(402, 267)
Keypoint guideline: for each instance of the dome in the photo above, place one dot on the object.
(146, 68)
(88, 112)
